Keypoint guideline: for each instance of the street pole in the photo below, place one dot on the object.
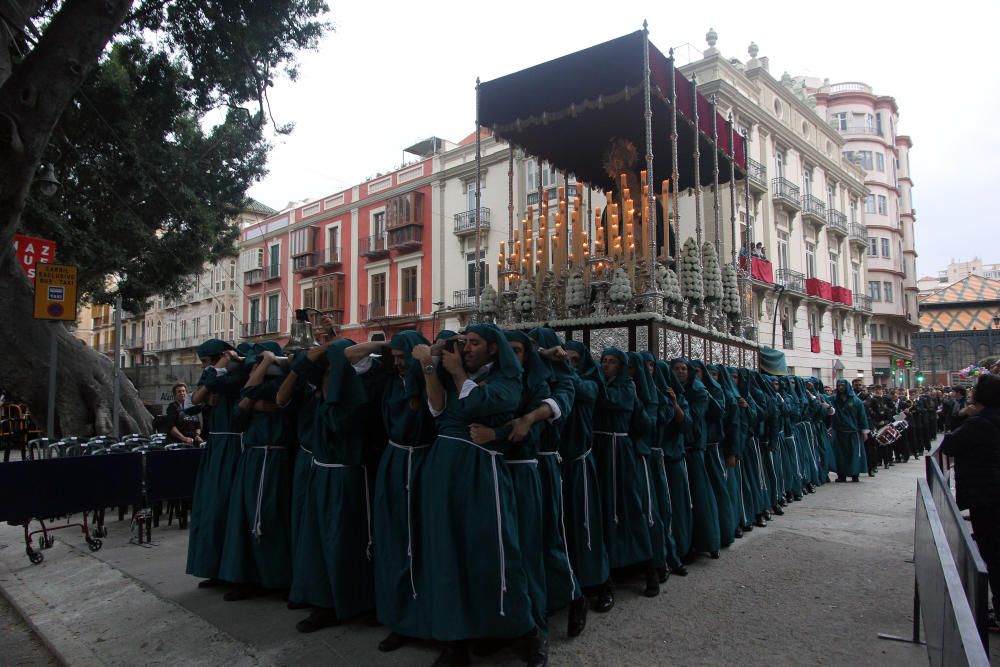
(53, 354)
(117, 368)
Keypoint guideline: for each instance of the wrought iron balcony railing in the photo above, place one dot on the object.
(261, 328)
(836, 220)
(400, 308)
(863, 302)
(792, 280)
(464, 299)
(757, 173)
(785, 191)
(465, 223)
(858, 233)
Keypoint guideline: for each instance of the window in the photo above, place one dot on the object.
(869, 121)
(866, 159)
(378, 290)
(830, 197)
(232, 323)
(196, 327)
(254, 313)
(873, 331)
(887, 292)
(834, 268)
(782, 250)
(885, 248)
(869, 203)
(813, 328)
(854, 209)
(872, 246)
(333, 244)
(855, 278)
(810, 260)
(840, 121)
(308, 298)
(548, 176)
(807, 183)
(409, 296)
(303, 241)
(273, 313)
(880, 162)
(875, 290)
(881, 332)
(378, 224)
(878, 125)
(232, 274)
(779, 164)
(531, 168)
(274, 260)
(883, 205)
(184, 327)
(470, 262)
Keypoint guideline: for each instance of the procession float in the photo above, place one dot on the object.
(624, 122)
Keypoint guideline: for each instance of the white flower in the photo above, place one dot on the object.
(713, 277)
(525, 301)
(731, 293)
(691, 281)
(488, 300)
(620, 289)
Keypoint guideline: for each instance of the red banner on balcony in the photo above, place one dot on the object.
(843, 295)
(814, 343)
(820, 288)
(760, 269)
(838, 347)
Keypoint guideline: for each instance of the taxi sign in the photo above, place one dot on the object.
(55, 292)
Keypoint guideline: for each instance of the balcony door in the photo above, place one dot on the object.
(471, 199)
(470, 262)
(273, 260)
(254, 322)
(378, 295)
(783, 251)
(273, 313)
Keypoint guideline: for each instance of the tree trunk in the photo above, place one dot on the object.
(32, 99)
(85, 380)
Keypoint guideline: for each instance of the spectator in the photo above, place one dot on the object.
(760, 252)
(181, 426)
(975, 446)
(956, 415)
(743, 252)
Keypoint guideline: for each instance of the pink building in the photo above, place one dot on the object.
(362, 256)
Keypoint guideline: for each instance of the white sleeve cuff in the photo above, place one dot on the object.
(363, 366)
(831, 410)
(220, 372)
(436, 413)
(556, 412)
(467, 388)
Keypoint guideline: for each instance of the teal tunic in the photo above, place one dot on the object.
(399, 595)
(736, 428)
(472, 567)
(647, 438)
(582, 500)
(334, 549)
(216, 472)
(258, 534)
(718, 476)
(666, 429)
(673, 442)
(706, 536)
(305, 427)
(619, 466)
(755, 488)
(848, 423)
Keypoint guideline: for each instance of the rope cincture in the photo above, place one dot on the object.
(256, 530)
(614, 468)
(409, 522)
(496, 496)
(368, 503)
(562, 520)
(586, 497)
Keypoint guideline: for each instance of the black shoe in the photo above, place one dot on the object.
(605, 599)
(652, 584)
(759, 521)
(662, 574)
(871, 473)
(241, 592)
(209, 583)
(454, 654)
(714, 555)
(840, 480)
(797, 498)
(317, 620)
(777, 510)
(855, 479)
(766, 516)
(747, 528)
(392, 642)
(739, 533)
(536, 650)
(783, 502)
(577, 617)
(680, 571)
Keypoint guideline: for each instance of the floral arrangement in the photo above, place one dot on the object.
(730, 291)
(972, 371)
(488, 300)
(620, 290)
(712, 279)
(691, 282)
(525, 301)
(576, 293)
(666, 282)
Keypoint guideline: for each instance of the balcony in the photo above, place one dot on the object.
(406, 239)
(836, 221)
(373, 247)
(842, 295)
(793, 281)
(552, 194)
(785, 193)
(392, 310)
(464, 299)
(856, 130)
(858, 234)
(272, 272)
(306, 262)
(253, 277)
(133, 343)
(330, 258)
(405, 210)
(787, 340)
(758, 176)
(465, 223)
(863, 303)
(814, 210)
(819, 288)
(262, 328)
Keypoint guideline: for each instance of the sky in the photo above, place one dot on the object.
(395, 72)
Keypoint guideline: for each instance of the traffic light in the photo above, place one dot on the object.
(908, 363)
(920, 379)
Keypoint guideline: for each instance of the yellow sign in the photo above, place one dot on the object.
(55, 292)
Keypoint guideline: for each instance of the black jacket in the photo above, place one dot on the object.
(975, 445)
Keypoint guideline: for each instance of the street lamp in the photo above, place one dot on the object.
(45, 179)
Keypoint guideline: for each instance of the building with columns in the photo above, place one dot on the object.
(805, 207)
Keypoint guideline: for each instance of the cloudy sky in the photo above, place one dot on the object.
(396, 72)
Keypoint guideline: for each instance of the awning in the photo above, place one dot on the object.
(568, 110)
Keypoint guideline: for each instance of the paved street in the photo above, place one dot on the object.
(815, 587)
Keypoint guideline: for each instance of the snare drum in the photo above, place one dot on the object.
(901, 425)
(886, 435)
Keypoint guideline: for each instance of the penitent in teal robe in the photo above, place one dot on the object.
(848, 423)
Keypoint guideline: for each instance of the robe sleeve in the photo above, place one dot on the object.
(562, 393)
(495, 395)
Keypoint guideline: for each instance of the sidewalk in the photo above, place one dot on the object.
(814, 587)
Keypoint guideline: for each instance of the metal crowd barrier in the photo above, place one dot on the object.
(951, 589)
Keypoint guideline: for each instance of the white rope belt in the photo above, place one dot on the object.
(743, 507)
(666, 482)
(368, 501)
(513, 462)
(306, 450)
(409, 449)
(718, 457)
(586, 494)
(687, 478)
(760, 464)
(555, 454)
(496, 497)
(649, 493)
(562, 524)
(795, 450)
(614, 468)
(256, 528)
